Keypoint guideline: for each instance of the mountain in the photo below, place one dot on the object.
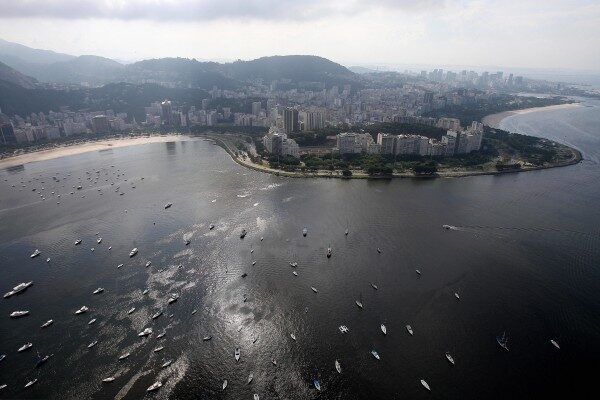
(92, 70)
(361, 70)
(8, 74)
(29, 55)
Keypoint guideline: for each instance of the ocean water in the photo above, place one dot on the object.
(524, 258)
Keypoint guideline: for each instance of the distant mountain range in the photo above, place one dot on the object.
(50, 67)
(11, 75)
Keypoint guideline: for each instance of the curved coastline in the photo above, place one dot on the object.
(494, 120)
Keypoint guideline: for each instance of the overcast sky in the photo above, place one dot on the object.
(512, 33)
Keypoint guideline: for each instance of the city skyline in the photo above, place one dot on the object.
(477, 33)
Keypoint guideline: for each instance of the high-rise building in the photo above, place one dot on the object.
(100, 124)
(7, 132)
(312, 120)
(290, 120)
(387, 143)
(166, 112)
(256, 108)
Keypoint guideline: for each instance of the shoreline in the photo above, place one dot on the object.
(66, 150)
(494, 120)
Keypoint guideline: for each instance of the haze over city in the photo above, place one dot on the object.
(558, 33)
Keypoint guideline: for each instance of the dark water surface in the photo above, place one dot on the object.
(524, 260)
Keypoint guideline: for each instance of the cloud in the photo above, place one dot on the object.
(204, 10)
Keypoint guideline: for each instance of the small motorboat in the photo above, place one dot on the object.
(457, 295)
(293, 336)
(243, 234)
(194, 312)
(19, 314)
(155, 386)
(109, 379)
(167, 363)
(26, 346)
(293, 264)
(502, 341)
(274, 362)
(237, 354)
(262, 238)
(98, 291)
(409, 329)
(168, 205)
(374, 286)
(250, 378)
(43, 360)
(131, 310)
(206, 338)
(304, 232)
(295, 273)
(95, 342)
(133, 252)
(338, 367)
(425, 384)
(145, 291)
(47, 323)
(92, 321)
(255, 339)
(35, 253)
(158, 314)
(375, 354)
(187, 241)
(314, 289)
(317, 384)
(358, 303)
(30, 383)
(224, 386)
(383, 329)
(77, 242)
(418, 272)
(124, 356)
(145, 332)
(161, 335)
(149, 263)
(99, 240)
(555, 343)
(119, 266)
(343, 329)
(256, 397)
(211, 227)
(158, 349)
(379, 250)
(2, 357)
(329, 252)
(346, 232)
(82, 310)
(174, 297)
(253, 262)
(449, 358)
(48, 259)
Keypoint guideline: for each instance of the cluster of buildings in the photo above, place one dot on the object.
(277, 143)
(454, 142)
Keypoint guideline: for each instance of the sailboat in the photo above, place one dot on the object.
(338, 367)
(502, 341)
(383, 329)
(329, 251)
(317, 384)
(449, 358)
(425, 384)
(304, 232)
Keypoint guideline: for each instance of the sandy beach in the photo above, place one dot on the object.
(79, 148)
(494, 120)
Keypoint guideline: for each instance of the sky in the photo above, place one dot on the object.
(512, 33)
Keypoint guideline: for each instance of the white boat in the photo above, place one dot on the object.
(35, 253)
(502, 341)
(18, 314)
(133, 252)
(295, 273)
(418, 271)
(224, 386)
(255, 397)
(158, 314)
(374, 286)
(194, 312)
(207, 338)
(92, 249)
(359, 304)
(425, 384)
(343, 329)
(145, 332)
(161, 335)
(119, 266)
(211, 227)
(99, 240)
(383, 329)
(274, 362)
(77, 242)
(82, 310)
(375, 354)
(26, 346)
(237, 354)
(124, 356)
(346, 232)
(95, 342)
(304, 231)
(145, 291)
(2, 357)
(174, 297)
(329, 251)
(293, 336)
(379, 250)
(317, 384)
(555, 343)
(48, 323)
(158, 349)
(409, 329)
(253, 262)
(131, 310)
(187, 242)
(3, 386)
(314, 289)
(110, 247)
(154, 386)
(293, 264)
(250, 378)
(262, 238)
(338, 367)
(457, 295)
(449, 358)
(109, 379)
(48, 259)
(30, 383)
(98, 291)
(168, 205)
(18, 289)
(167, 363)
(149, 263)
(92, 321)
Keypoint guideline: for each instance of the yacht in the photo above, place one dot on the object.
(48, 259)
(502, 341)
(124, 356)
(317, 384)
(77, 242)
(359, 303)
(158, 314)
(383, 329)
(167, 363)
(48, 323)
(293, 264)
(329, 251)
(98, 291)
(375, 354)
(243, 234)
(119, 266)
(295, 273)
(293, 336)
(145, 332)
(449, 358)
(30, 383)
(3, 386)
(314, 289)
(343, 329)
(99, 240)
(418, 272)
(110, 247)
(174, 297)
(95, 342)
(374, 286)
(168, 205)
(35, 253)
(154, 386)
(18, 314)
(133, 252)
(149, 263)
(161, 335)
(194, 312)
(237, 354)
(18, 289)
(145, 291)
(2, 357)
(409, 329)
(26, 346)
(304, 232)
(92, 321)
(206, 338)
(81, 310)
(338, 367)
(224, 384)
(43, 360)
(555, 343)
(109, 379)
(159, 348)
(425, 384)
(250, 378)
(457, 295)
